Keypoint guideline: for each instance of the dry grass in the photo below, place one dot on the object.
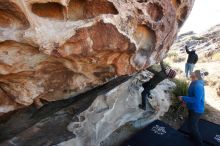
(198, 38)
(172, 54)
(210, 57)
(216, 56)
(174, 57)
(218, 90)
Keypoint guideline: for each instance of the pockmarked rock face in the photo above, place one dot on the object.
(52, 49)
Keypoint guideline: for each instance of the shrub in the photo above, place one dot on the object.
(197, 38)
(172, 54)
(175, 57)
(180, 90)
(179, 59)
(166, 64)
(157, 67)
(181, 87)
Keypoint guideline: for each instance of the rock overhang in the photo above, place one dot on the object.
(53, 49)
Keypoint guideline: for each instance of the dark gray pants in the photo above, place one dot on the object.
(193, 119)
(145, 94)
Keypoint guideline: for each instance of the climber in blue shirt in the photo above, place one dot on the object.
(195, 104)
(195, 98)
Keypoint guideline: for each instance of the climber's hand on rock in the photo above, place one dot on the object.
(183, 104)
(180, 98)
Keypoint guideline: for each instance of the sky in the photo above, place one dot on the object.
(205, 14)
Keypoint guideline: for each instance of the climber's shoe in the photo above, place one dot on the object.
(142, 107)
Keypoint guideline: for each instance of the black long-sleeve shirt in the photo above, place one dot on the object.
(156, 79)
(192, 56)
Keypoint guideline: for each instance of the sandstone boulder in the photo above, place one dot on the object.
(53, 49)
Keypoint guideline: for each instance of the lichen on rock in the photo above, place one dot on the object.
(53, 49)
